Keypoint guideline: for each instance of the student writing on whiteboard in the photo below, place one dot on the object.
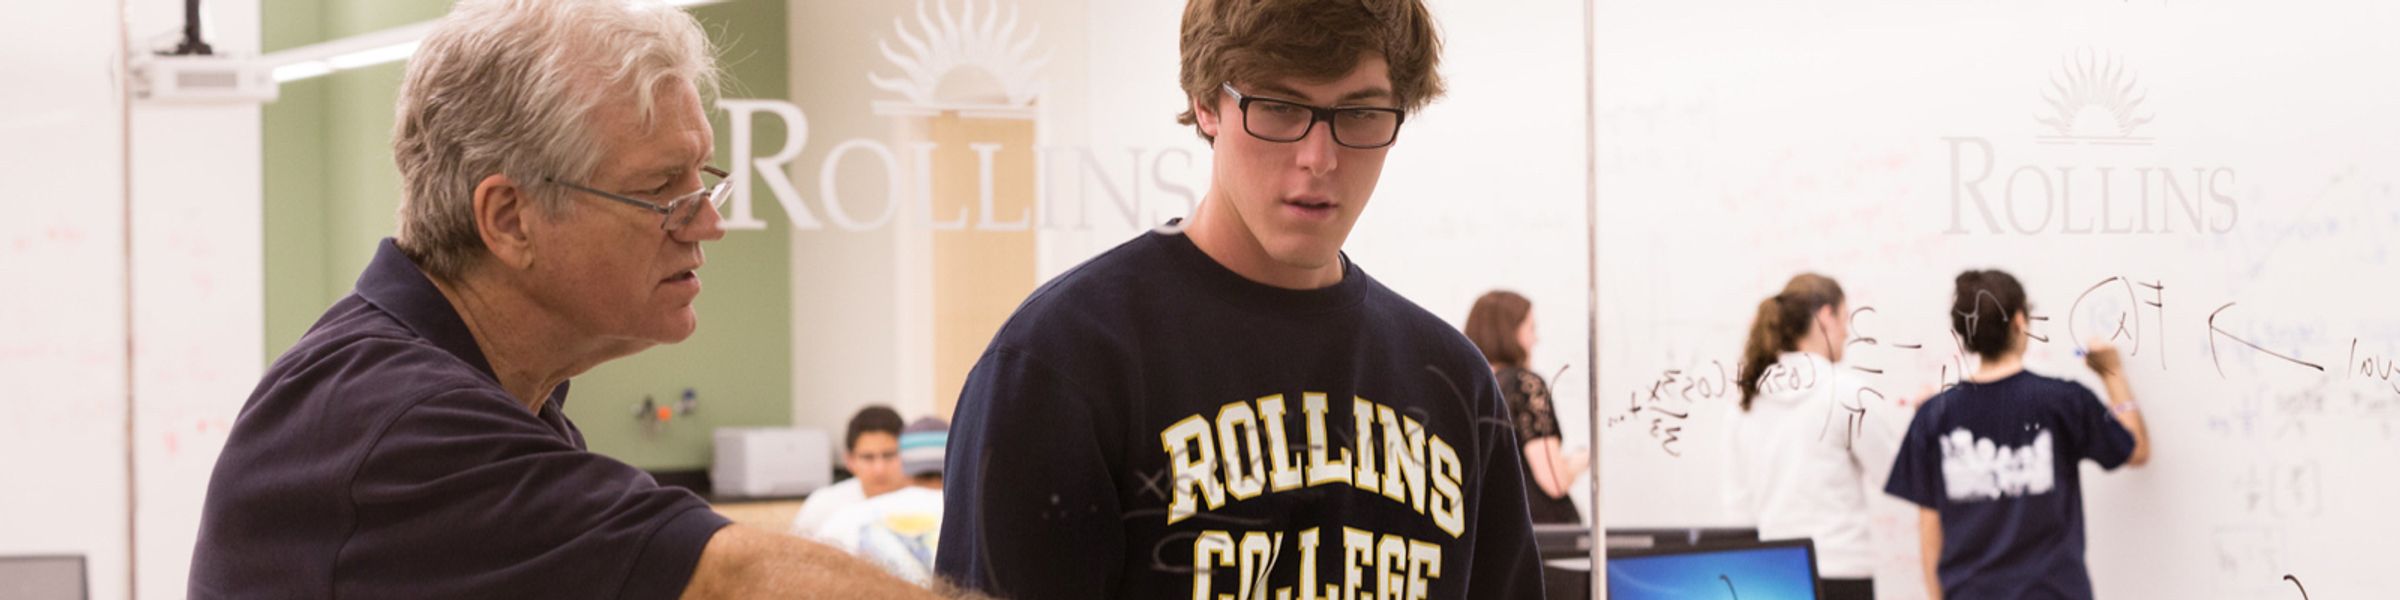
(1501, 325)
(1798, 451)
(1236, 409)
(555, 194)
(1991, 462)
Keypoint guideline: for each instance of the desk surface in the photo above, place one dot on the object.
(770, 515)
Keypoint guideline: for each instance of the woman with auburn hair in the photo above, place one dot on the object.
(1501, 324)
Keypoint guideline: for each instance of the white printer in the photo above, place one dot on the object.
(755, 462)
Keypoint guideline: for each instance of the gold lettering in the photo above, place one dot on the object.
(1282, 475)
(1403, 465)
(1244, 483)
(1449, 507)
(1193, 469)
(1358, 549)
(1424, 566)
(1320, 470)
(1257, 552)
(1363, 413)
(1391, 567)
(1218, 544)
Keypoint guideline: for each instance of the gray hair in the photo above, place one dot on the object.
(508, 87)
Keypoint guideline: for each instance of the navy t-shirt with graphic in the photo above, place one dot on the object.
(1999, 461)
(1153, 425)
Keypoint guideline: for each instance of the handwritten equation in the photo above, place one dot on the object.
(2129, 312)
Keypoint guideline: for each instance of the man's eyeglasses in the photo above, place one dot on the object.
(1284, 121)
(674, 213)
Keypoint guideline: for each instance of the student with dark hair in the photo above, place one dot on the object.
(1992, 461)
(1798, 454)
(871, 452)
(901, 530)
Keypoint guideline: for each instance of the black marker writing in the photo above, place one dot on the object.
(2384, 369)
(2214, 332)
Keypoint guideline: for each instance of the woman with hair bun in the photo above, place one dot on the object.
(1992, 462)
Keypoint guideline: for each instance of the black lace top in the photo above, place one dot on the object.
(1529, 408)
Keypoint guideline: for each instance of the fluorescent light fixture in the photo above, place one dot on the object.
(301, 70)
(367, 49)
(373, 56)
(323, 58)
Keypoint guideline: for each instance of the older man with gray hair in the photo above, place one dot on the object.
(413, 444)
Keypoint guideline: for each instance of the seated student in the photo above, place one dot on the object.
(900, 530)
(1993, 460)
(871, 451)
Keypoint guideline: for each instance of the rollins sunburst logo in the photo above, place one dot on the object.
(2102, 173)
(974, 70)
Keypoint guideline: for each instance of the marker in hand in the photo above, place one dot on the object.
(2100, 355)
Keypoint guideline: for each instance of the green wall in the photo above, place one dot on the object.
(331, 191)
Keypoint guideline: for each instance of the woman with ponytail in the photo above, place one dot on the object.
(1798, 459)
(1992, 463)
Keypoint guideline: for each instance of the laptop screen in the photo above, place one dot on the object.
(42, 578)
(1780, 570)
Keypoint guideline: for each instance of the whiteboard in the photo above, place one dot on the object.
(63, 318)
(2214, 185)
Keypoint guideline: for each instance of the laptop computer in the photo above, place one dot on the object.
(1777, 570)
(42, 578)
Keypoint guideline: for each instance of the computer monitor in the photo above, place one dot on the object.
(1778, 570)
(1563, 540)
(1647, 537)
(42, 578)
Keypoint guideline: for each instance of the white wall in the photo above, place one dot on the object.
(198, 292)
(62, 326)
(190, 174)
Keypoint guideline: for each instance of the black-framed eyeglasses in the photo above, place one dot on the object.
(1285, 121)
(674, 214)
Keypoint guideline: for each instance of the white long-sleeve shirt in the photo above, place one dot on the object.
(1799, 462)
(822, 505)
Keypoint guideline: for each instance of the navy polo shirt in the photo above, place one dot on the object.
(380, 458)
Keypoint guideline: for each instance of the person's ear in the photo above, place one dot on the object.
(503, 219)
(1204, 112)
(2023, 325)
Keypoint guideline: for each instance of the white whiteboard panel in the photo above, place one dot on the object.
(62, 318)
(2238, 154)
